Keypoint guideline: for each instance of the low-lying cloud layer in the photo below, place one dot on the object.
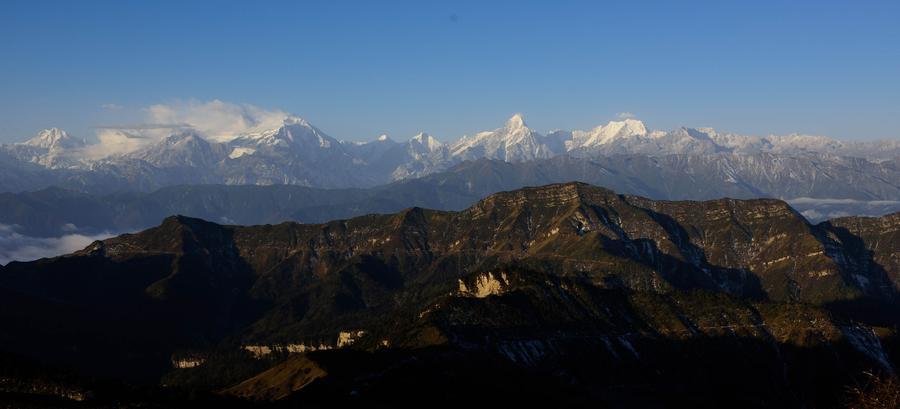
(832, 201)
(18, 247)
(820, 209)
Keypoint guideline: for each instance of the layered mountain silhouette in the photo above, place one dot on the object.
(564, 294)
(53, 211)
(57, 185)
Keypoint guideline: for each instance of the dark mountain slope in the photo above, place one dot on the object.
(599, 296)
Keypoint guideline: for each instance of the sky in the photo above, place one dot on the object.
(360, 69)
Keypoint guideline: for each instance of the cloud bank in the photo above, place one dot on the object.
(834, 201)
(216, 120)
(112, 142)
(820, 209)
(18, 247)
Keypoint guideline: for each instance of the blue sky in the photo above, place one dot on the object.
(358, 69)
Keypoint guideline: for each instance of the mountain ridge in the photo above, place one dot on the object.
(54, 212)
(567, 276)
(297, 152)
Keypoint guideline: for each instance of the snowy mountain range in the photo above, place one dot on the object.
(298, 153)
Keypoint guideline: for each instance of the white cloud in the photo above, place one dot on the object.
(834, 201)
(813, 214)
(819, 209)
(216, 120)
(625, 115)
(118, 142)
(817, 215)
(15, 246)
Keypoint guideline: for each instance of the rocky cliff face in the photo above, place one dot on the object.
(876, 240)
(552, 280)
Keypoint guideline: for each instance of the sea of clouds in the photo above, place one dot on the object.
(15, 246)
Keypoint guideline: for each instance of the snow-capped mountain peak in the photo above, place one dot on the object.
(709, 131)
(514, 142)
(294, 131)
(54, 138)
(288, 149)
(426, 140)
(516, 132)
(517, 121)
(806, 141)
(183, 148)
(633, 127)
(612, 131)
(295, 120)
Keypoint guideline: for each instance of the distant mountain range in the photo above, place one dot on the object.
(565, 294)
(298, 153)
(804, 181)
(61, 191)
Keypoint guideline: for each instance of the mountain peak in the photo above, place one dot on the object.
(426, 140)
(424, 137)
(614, 130)
(383, 138)
(629, 126)
(514, 142)
(295, 120)
(516, 121)
(184, 135)
(293, 131)
(53, 137)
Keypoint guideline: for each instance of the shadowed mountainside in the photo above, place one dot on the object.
(593, 295)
